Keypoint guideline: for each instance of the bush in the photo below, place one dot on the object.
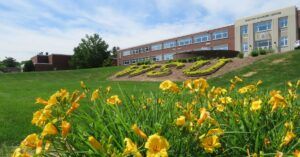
(165, 69)
(196, 65)
(254, 53)
(126, 71)
(263, 51)
(196, 119)
(28, 66)
(241, 55)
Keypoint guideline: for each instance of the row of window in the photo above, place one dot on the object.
(165, 57)
(181, 42)
(265, 25)
(266, 44)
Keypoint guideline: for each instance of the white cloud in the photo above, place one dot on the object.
(57, 28)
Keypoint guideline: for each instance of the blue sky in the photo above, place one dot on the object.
(31, 26)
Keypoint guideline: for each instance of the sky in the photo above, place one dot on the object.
(55, 26)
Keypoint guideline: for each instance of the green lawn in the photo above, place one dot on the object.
(18, 91)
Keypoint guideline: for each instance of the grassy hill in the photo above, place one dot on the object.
(18, 91)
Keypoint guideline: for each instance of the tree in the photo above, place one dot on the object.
(90, 53)
(114, 52)
(28, 66)
(10, 62)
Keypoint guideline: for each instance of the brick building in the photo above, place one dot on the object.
(45, 62)
(277, 29)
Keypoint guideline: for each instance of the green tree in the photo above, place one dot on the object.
(10, 62)
(90, 53)
(28, 66)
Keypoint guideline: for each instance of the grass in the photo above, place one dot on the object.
(18, 91)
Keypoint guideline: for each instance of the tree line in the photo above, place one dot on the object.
(91, 52)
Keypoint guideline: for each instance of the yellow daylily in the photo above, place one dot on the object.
(180, 121)
(203, 116)
(65, 128)
(114, 100)
(92, 140)
(138, 131)
(210, 143)
(288, 138)
(95, 95)
(256, 105)
(30, 141)
(131, 148)
(82, 84)
(49, 129)
(157, 146)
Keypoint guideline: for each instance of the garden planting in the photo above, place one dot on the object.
(160, 70)
(192, 119)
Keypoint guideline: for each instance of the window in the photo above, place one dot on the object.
(220, 35)
(133, 61)
(141, 59)
(135, 51)
(168, 56)
(220, 47)
(146, 49)
(185, 41)
(244, 30)
(126, 62)
(245, 47)
(263, 44)
(283, 22)
(126, 53)
(157, 58)
(202, 38)
(169, 44)
(263, 26)
(283, 41)
(156, 47)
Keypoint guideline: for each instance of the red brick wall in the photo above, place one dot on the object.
(60, 62)
(43, 67)
(40, 59)
(212, 43)
(298, 19)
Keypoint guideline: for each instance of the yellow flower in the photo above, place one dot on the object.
(41, 101)
(259, 82)
(74, 106)
(82, 84)
(113, 100)
(131, 148)
(216, 131)
(19, 153)
(40, 117)
(296, 153)
(39, 147)
(30, 141)
(288, 138)
(94, 142)
(203, 116)
(200, 85)
(225, 100)
(65, 128)
(95, 95)
(169, 86)
(138, 131)
(157, 146)
(220, 108)
(246, 89)
(256, 105)
(276, 100)
(108, 89)
(279, 154)
(180, 121)
(49, 129)
(209, 143)
(289, 125)
(289, 83)
(237, 79)
(188, 84)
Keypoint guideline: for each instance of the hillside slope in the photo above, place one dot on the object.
(18, 91)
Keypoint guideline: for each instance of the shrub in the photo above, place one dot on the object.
(165, 69)
(196, 119)
(219, 64)
(143, 69)
(241, 55)
(28, 66)
(263, 51)
(255, 53)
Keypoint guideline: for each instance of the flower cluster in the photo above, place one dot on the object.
(192, 119)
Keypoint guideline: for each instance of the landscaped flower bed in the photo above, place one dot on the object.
(127, 71)
(202, 72)
(195, 119)
(143, 69)
(165, 69)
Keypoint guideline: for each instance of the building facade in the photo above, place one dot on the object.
(277, 30)
(45, 62)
